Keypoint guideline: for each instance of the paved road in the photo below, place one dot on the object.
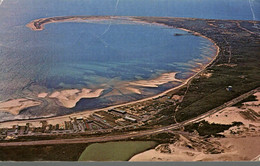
(133, 134)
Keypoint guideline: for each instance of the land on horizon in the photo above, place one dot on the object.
(179, 113)
(131, 80)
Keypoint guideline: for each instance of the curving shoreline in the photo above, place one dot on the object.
(38, 25)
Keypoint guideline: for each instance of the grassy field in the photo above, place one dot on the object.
(237, 64)
(115, 151)
(58, 152)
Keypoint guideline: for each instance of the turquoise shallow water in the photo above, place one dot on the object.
(77, 55)
(84, 55)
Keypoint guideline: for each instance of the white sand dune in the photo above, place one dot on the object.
(234, 149)
(242, 144)
(231, 114)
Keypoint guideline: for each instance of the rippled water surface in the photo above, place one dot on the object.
(97, 55)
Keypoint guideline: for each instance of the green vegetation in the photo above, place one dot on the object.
(240, 69)
(165, 115)
(206, 129)
(115, 151)
(205, 94)
(58, 152)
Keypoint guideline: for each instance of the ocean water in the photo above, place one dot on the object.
(77, 55)
(97, 55)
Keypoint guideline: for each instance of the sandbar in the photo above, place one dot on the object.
(154, 83)
(69, 98)
(136, 20)
(42, 95)
(16, 105)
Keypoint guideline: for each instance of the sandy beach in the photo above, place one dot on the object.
(38, 24)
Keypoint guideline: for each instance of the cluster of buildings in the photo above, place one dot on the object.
(99, 121)
(105, 121)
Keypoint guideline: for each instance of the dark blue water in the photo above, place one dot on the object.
(85, 55)
(214, 9)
